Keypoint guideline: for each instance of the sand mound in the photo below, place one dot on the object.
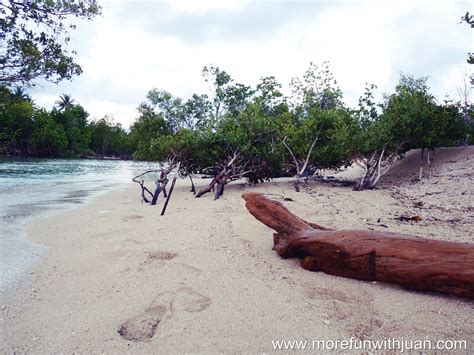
(445, 160)
(454, 160)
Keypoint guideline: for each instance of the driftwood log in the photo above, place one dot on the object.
(412, 262)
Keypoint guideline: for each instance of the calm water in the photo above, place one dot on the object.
(33, 188)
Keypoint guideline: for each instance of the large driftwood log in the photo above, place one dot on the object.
(412, 262)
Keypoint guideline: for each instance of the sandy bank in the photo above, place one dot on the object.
(203, 278)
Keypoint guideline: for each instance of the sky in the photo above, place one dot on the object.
(135, 46)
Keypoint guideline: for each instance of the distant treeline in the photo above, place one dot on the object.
(27, 129)
(254, 132)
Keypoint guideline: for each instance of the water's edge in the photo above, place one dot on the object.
(31, 190)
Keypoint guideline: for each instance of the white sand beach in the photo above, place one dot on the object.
(118, 277)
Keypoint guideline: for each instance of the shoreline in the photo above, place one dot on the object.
(37, 188)
(206, 275)
(87, 157)
(25, 228)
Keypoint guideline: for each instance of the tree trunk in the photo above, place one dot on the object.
(376, 167)
(412, 262)
(422, 155)
(297, 183)
(156, 194)
(224, 174)
(301, 167)
(208, 188)
(431, 152)
(220, 188)
(169, 194)
(193, 188)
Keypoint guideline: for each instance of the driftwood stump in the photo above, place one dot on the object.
(410, 261)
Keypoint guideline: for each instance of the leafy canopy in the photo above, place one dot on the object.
(33, 39)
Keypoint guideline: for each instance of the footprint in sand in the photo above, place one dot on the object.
(159, 255)
(144, 326)
(327, 294)
(339, 305)
(132, 217)
(190, 300)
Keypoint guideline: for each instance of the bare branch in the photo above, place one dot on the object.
(310, 151)
(292, 155)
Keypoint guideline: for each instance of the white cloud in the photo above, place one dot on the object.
(365, 41)
(203, 6)
(119, 112)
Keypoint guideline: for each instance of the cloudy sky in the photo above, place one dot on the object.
(138, 45)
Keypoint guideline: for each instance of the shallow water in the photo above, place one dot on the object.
(34, 188)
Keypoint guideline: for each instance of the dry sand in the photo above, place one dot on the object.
(203, 278)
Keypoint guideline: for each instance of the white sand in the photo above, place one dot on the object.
(206, 275)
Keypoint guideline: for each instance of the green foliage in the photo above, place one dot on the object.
(265, 134)
(19, 94)
(148, 126)
(269, 96)
(254, 135)
(187, 146)
(469, 122)
(316, 89)
(109, 139)
(65, 102)
(410, 118)
(228, 98)
(319, 134)
(196, 112)
(48, 136)
(175, 112)
(74, 121)
(369, 135)
(451, 126)
(218, 81)
(28, 130)
(16, 122)
(34, 37)
(331, 130)
(413, 117)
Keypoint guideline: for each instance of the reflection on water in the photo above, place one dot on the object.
(32, 188)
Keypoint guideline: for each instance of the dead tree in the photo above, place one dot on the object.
(161, 182)
(301, 165)
(146, 194)
(409, 261)
(220, 175)
(231, 170)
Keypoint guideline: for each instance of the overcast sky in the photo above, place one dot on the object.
(138, 45)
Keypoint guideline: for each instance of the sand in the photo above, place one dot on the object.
(117, 277)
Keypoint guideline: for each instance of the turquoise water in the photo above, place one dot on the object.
(34, 188)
